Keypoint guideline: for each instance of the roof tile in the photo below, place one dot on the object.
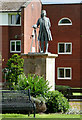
(12, 5)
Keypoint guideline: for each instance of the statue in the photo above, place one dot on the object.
(44, 31)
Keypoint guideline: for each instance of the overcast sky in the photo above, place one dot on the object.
(60, 1)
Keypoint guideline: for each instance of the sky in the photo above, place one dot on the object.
(60, 1)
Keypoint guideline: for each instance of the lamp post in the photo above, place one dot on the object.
(5, 70)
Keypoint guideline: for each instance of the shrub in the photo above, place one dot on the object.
(37, 84)
(22, 82)
(15, 68)
(63, 89)
(60, 87)
(56, 102)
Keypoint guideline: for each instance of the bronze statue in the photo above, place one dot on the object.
(44, 31)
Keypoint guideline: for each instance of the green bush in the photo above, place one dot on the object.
(62, 89)
(15, 68)
(56, 102)
(22, 82)
(37, 84)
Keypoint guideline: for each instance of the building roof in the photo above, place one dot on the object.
(12, 5)
(15, 5)
(60, 1)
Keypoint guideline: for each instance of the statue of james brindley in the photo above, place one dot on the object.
(44, 31)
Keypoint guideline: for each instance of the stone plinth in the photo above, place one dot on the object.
(41, 64)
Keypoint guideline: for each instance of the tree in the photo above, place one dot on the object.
(15, 68)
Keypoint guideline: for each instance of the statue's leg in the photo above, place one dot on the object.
(47, 46)
(42, 44)
(46, 43)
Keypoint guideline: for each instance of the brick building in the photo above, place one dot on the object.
(16, 20)
(66, 20)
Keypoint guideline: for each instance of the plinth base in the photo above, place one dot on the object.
(41, 64)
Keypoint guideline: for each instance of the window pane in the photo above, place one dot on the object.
(67, 73)
(17, 19)
(12, 46)
(18, 46)
(65, 21)
(12, 19)
(68, 47)
(61, 73)
(61, 48)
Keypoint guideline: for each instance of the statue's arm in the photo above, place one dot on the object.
(38, 22)
(49, 23)
(36, 25)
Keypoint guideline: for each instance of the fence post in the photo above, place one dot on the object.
(68, 92)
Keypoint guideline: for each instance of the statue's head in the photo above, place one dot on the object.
(43, 13)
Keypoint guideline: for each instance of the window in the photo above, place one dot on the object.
(17, 19)
(15, 46)
(64, 73)
(64, 48)
(14, 19)
(65, 21)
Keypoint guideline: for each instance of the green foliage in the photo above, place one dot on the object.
(56, 102)
(60, 87)
(22, 82)
(37, 84)
(63, 89)
(15, 68)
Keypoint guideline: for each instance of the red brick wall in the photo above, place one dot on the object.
(5, 45)
(14, 30)
(66, 34)
(81, 44)
(8, 33)
(31, 15)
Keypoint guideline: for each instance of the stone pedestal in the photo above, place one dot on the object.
(41, 64)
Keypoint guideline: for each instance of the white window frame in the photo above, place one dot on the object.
(59, 23)
(15, 46)
(9, 19)
(65, 48)
(60, 78)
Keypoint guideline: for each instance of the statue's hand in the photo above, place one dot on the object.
(34, 26)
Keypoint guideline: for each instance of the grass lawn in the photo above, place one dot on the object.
(77, 94)
(41, 116)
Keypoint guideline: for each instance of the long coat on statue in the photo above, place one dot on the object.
(47, 26)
